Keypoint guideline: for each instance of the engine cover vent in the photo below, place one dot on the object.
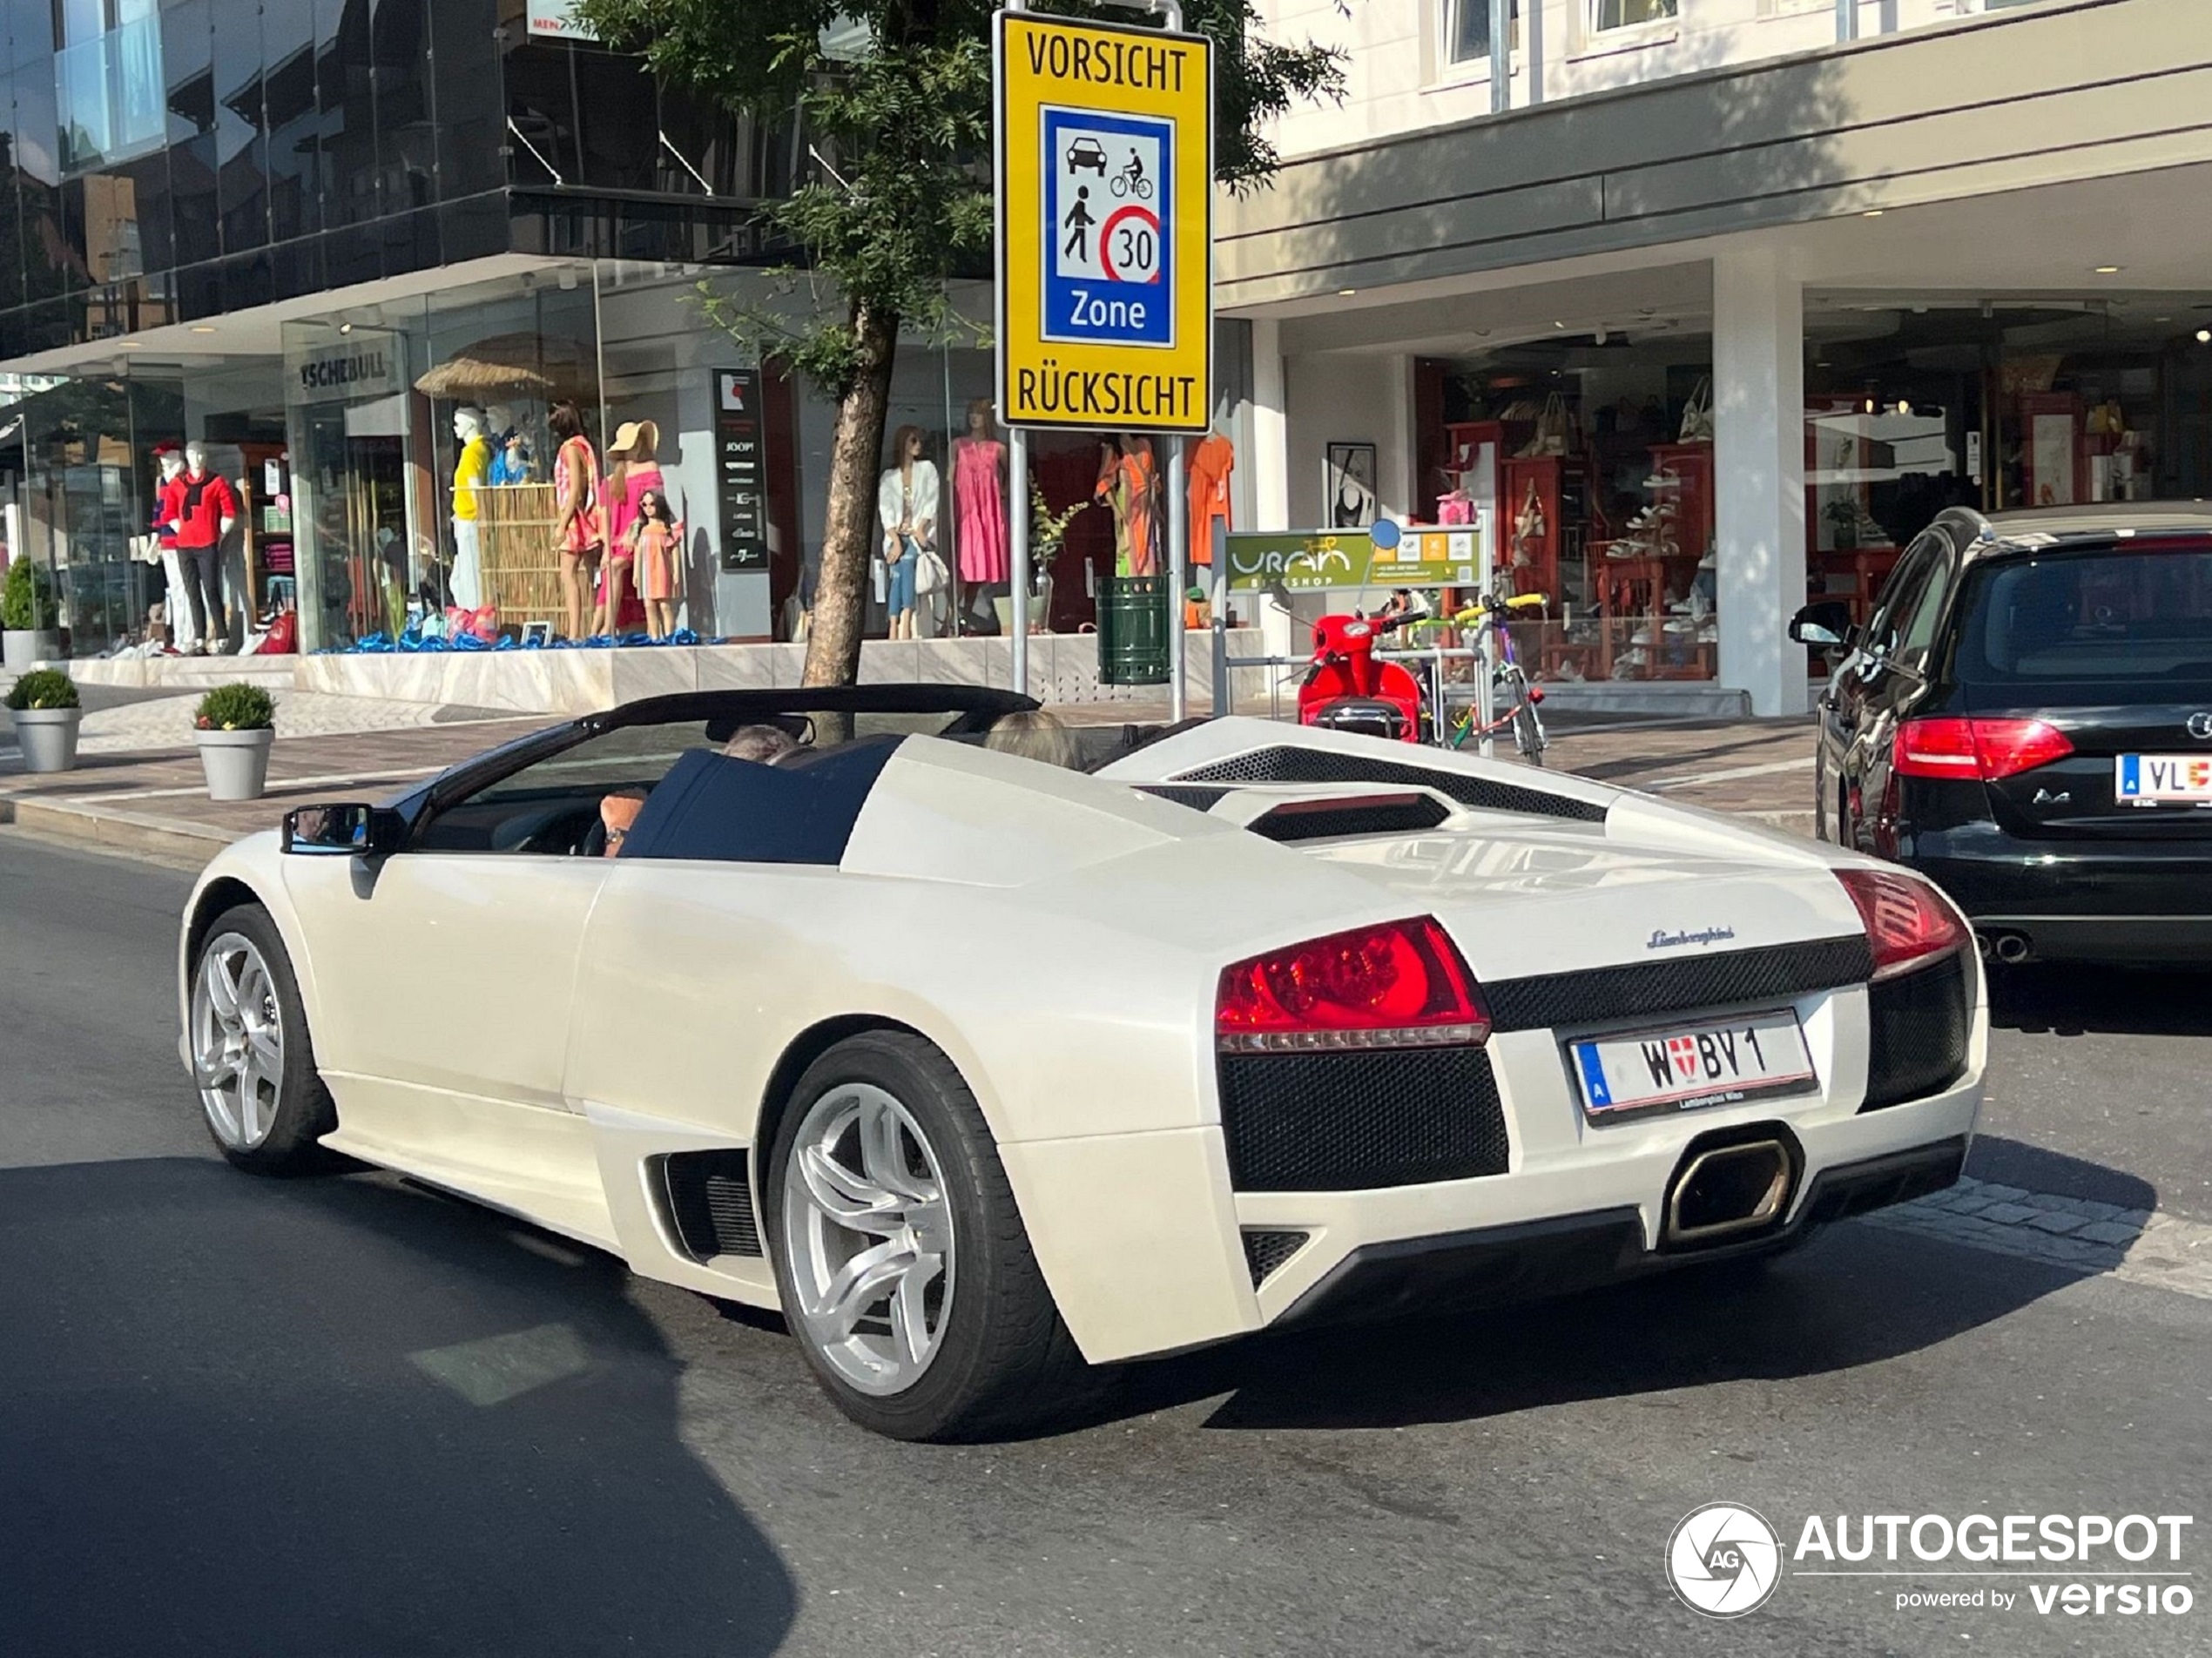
(1357, 814)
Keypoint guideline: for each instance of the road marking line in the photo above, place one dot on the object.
(499, 1368)
(1729, 775)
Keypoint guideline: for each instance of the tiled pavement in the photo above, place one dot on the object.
(2073, 1233)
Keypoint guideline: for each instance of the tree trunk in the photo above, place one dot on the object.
(849, 535)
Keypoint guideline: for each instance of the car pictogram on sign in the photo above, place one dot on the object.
(1087, 152)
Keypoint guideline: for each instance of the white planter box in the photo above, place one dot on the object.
(48, 738)
(237, 763)
(23, 649)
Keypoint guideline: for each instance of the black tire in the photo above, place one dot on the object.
(1004, 1360)
(303, 1110)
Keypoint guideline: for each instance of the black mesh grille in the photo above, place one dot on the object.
(1287, 765)
(1264, 1251)
(1917, 1034)
(1353, 1121)
(1200, 800)
(1313, 820)
(710, 1203)
(1685, 984)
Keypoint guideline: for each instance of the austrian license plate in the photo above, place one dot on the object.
(2162, 779)
(1759, 1056)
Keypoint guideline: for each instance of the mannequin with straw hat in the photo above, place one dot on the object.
(635, 470)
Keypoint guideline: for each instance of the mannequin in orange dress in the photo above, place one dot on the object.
(1210, 463)
(1130, 482)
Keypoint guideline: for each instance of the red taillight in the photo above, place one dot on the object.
(1907, 922)
(1399, 985)
(1980, 750)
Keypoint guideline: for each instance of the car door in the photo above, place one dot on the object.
(1892, 688)
(447, 971)
(1857, 708)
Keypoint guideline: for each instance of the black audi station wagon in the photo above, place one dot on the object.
(2026, 718)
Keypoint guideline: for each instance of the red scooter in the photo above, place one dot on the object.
(1346, 689)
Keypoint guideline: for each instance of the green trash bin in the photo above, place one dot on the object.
(1133, 631)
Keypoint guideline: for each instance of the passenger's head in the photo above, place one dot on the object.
(762, 744)
(1035, 735)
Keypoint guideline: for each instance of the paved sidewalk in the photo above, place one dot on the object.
(152, 798)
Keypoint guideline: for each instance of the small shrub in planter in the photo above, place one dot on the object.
(27, 615)
(43, 688)
(236, 708)
(46, 713)
(233, 729)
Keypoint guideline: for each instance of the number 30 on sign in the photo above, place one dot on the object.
(1105, 177)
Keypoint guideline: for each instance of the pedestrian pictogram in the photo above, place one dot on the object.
(1105, 180)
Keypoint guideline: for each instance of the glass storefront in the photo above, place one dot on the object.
(1592, 456)
(1916, 403)
(393, 463)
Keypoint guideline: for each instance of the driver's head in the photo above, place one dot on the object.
(762, 744)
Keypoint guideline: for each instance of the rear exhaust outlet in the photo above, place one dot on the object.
(1983, 947)
(2011, 947)
(1727, 1189)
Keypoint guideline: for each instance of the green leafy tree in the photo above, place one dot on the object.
(896, 96)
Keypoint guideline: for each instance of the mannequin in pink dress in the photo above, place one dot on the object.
(979, 505)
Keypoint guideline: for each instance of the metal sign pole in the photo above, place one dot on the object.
(1018, 537)
(1223, 704)
(1178, 580)
(1485, 568)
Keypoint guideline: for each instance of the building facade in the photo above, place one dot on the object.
(329, 240)
(1713, 304)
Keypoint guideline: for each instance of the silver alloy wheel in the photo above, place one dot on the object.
(870, 1238)
(237, 1040)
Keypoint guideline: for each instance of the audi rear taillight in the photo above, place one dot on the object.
(1978, 750)
(1908, 923)
(1398, 984)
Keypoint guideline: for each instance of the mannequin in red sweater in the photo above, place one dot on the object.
(202, 508)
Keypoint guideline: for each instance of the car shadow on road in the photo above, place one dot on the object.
(2046, 999)
(1854, 1295)
(335, 1416)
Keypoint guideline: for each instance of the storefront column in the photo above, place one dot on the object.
(1270, 465)
(1759, 474)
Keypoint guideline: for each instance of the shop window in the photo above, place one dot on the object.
(1466, 30)
(619, 113)
(1628, 14)
(108, 82)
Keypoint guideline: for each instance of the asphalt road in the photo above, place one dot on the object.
(341, 1416)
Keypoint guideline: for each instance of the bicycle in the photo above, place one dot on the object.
(1514, 696)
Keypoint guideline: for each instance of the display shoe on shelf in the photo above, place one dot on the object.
(1663, 479)
(1709, 633)
(1682, 624)
(1712, 559)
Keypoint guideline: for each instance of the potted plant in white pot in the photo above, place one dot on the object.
(235, 728)
(27, 618)
(44, 706)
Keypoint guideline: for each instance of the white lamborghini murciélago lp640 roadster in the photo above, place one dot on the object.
(981, 1070)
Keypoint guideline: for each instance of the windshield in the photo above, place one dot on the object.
(2102, 615)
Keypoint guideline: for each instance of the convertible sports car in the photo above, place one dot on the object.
(980, 1069)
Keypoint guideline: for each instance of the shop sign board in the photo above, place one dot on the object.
(1104, 152)
(556, 20)
(361, 367)
(1382, 555)
(741, 469)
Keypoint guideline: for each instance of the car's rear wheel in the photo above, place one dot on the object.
(901, 1262)
(251, 1056)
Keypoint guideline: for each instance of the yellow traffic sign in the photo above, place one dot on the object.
(1105, 225)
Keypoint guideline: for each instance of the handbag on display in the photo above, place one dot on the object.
(1698, 413)
(930, 574)
(1455, 508)
(1553, 428)
(1527, 529)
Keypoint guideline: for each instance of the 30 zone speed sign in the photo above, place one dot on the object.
(1105, 180)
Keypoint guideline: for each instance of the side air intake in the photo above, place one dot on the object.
(708, 1196)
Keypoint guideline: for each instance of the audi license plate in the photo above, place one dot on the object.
(2162, 779)
(1759, 1056)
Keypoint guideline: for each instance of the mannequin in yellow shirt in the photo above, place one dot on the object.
(470, 474)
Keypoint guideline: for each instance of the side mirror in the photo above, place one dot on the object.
(1826, 625)
(351, 830)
